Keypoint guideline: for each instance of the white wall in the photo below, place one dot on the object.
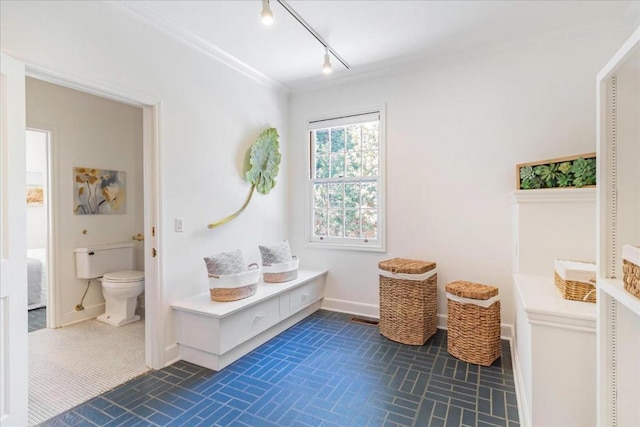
(94, 132)
(456, 128)
(37, 213)
(210, 115)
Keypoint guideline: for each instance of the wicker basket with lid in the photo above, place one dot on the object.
(473, 322)
(408, 300)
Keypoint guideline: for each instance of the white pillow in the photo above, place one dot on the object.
(275, 254)
(225, 263)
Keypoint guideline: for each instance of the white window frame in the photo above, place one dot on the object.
(379, 244)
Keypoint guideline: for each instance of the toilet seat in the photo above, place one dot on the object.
(123, 276)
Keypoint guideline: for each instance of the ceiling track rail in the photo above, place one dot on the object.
(313, 32)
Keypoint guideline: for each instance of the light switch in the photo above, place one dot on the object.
(179, 225)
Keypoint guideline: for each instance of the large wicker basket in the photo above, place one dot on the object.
(631, 269)
(233, 287)
(576, 280)
(283, 272)
(473, 322)
(408, 300)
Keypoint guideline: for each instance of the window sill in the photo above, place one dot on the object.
(346, 247)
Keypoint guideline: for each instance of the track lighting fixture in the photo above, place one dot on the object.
(267, 19)
(326, 66)
(266, 15)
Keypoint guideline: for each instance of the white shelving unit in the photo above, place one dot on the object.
(555, 342)
(618, 217)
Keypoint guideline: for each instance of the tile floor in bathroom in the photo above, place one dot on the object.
(324, 371)
(37, 319)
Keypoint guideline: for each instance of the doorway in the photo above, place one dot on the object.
(98, 139)
(38, 226)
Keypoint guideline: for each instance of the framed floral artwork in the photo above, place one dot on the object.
(99, 191)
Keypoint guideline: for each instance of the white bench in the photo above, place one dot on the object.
(215, 334)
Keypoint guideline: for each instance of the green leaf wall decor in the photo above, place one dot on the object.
(263, 166)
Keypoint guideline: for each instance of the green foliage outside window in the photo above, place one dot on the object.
(345, 175)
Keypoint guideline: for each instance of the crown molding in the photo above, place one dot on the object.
(144, 12)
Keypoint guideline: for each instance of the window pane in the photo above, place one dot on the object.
(353, 138)
(336, 195)
(337, 140)
(369, 194)
(322, 167)
(352, 223)
(352, 195)
(353, 164)
(337, 166)
(370, 163)
(336, 223)
(370, 136)
(320, 196)
(369, 223)
(320, 222)
(322, 142)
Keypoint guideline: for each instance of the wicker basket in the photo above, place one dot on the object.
(576, 280)
(631, 269)
(233, 287)
(473, 322)
(408, 300)
(278, 273)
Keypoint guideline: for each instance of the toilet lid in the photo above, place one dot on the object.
(124, 276)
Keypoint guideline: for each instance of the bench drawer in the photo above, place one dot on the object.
(304, 295)
(243, 325)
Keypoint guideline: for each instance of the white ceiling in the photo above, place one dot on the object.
(369, 35)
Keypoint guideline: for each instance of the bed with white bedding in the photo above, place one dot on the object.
(36, 278)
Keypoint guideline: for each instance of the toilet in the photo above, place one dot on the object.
(113, 265)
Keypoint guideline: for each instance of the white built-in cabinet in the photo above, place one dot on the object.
(555, 339)
(216, 334)
(618, 207)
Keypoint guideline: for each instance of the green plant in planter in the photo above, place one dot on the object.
(584, 172)
(565, 180)
(574, 173)
(529, 179)
(260, 170)
(548, 173)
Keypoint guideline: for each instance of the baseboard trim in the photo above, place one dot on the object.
(72, 317)
(350, 307)
(171, 354)
(523, 410)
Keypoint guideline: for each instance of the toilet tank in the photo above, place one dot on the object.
(96, 261)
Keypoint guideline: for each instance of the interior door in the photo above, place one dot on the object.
(13, 246)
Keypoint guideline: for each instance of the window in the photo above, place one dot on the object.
(347, 181)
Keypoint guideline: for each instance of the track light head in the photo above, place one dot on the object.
(266, 15)
(326, 67)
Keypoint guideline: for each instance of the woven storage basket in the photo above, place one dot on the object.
(408, 300)
(473, 333)
(576, 280)
(278, 273)
(233, 287)
(631, 269)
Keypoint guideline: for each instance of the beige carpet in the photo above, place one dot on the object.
(70, 365)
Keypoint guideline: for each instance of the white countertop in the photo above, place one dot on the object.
(202, 303)
(543, 303)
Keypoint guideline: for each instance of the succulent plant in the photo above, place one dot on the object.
(576, 173)
(548, 173)
(584, 172)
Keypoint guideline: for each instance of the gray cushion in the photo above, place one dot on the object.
(225, 263)
(275, 254)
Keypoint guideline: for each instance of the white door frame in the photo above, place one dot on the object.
(154, 349)
(13, 245)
